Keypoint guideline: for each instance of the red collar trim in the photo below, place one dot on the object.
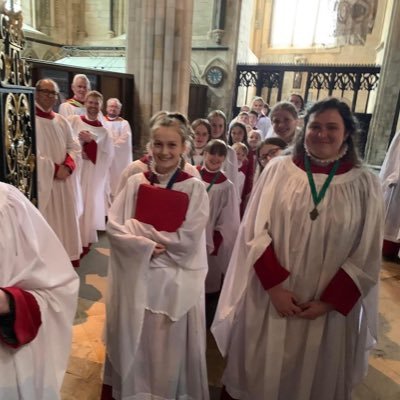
(145, 159)
(96, 123)
(44, 114)
(207, 176)
(112, 119)
(344, 167)
(183, 176)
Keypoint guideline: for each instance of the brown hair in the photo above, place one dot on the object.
(216, 146)
(350, 123)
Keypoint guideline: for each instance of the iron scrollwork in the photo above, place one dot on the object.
(17, 147)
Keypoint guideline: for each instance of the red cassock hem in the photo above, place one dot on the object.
(269, 270)
(27, 316)
(91, 151)
(217, 239)
(390, 249)
(342, 293)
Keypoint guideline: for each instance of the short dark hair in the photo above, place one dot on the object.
(350, 123)
(216, 146)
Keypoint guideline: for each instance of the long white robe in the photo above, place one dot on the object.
(276, 358)
(155, 307)
(390, 178)
(33, 259)
(122, 138)
(60, 201)
(231, 169)
(224, 218)
(93, 179)
(67, 110)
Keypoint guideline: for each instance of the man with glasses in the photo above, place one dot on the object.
(58, 183)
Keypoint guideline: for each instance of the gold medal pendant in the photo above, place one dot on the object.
(314, 214)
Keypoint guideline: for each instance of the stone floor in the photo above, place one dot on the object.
(83, 378)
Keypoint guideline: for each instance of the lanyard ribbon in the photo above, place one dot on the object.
(213, 180)
(317, 197)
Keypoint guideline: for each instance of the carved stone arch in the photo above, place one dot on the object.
(49, 55)
(195, 72)
(29, 52)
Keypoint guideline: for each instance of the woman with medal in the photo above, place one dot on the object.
(155, 332)
(298, 309)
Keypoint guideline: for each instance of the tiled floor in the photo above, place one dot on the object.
(83, 378)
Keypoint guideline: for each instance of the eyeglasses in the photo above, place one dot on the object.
(271, 153)
(47, 92)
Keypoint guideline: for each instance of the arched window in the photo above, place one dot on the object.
(303, 23)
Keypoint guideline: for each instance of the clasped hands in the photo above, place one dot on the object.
(287, 305)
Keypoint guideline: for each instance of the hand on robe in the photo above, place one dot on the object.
(63, 173)
(314, 309)
(284, 301)
(85, 136)
(159, 249)
(4, 303)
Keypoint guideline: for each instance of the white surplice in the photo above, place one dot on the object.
(33, 259)
(142, 165)
(122, 137)
(224, 218)
(60, 201)
(390, 178)
(231, 169)
(275, 358)
(93, 179)
(155, 331)
(67, 109)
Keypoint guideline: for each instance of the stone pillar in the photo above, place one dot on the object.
(387, 93)
(159, 40)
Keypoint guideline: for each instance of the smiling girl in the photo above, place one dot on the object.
(284, 120)
(158, 265)
(299, 301)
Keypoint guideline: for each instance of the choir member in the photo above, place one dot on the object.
(223, 221)
(155, 333)
(217, 121)
(38, 298)
(390, 177)
(122, 138)
(76, 105)
(298, 309)
(97, 156)
(202, 135)
(60, 199)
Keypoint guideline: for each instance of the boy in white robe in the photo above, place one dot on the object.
(58, 184)
(224, 218)
(298, 309)
(38, 298)
(223, 222)
(97, 156)
(390, 178)
(155, 332)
